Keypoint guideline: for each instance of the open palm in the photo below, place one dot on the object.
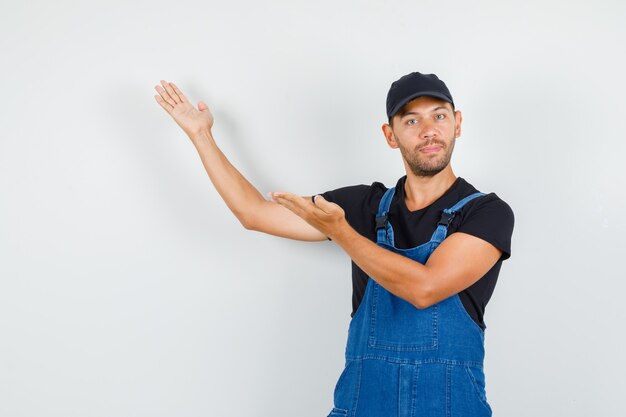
(190, 119)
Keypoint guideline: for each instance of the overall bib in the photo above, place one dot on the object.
(402, 361)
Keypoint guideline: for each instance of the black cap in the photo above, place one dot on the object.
(415, 85)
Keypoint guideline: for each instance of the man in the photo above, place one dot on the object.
(425, 253)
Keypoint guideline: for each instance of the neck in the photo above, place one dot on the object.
(423, 191)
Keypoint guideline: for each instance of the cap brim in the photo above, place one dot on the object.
(416, 95)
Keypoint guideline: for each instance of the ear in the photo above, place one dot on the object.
(389, 136)
(458, 117)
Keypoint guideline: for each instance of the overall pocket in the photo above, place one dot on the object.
(468, 397)
(396, 324)
(346, 388)
(476, 379)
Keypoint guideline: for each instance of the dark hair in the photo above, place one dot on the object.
(401, 111)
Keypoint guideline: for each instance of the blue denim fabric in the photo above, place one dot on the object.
(408, 362)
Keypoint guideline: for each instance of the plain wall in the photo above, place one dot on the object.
(127, 287)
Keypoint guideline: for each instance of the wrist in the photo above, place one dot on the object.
(341, 233)
(201, 137)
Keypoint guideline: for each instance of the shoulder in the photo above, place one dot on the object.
(489, 205)
(490, 218)
(488, 202)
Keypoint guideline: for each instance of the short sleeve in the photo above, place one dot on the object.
(350, 199)
(492, 220)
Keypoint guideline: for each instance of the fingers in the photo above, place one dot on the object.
(326, 206)
(181, 96)
(320, 201)
(293, 202)
(283, 198)
(272, 196)
(170, 91)
(168, 107)
(165, 96)
(169, 97)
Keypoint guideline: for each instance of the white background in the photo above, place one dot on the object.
(127, 287)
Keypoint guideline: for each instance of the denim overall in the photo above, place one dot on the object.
(402, 361)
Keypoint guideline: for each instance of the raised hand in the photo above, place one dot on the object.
(190, 119)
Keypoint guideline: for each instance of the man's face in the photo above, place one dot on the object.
(425, 130)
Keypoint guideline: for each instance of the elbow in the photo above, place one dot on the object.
(423, 298)
(247, 226)
(246, 222)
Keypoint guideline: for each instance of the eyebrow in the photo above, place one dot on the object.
(433, 110)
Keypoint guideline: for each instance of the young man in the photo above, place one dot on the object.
(425, 253)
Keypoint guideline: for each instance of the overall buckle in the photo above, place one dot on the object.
(381, 221)
(446, 218)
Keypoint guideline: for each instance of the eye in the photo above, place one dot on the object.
(411, 122)
(443, 116)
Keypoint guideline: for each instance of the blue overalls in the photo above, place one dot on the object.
(402, 361)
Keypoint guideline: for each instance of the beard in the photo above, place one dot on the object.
(424, 165)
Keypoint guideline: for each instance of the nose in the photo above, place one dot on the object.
(428, 131)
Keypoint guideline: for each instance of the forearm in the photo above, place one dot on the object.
(398, 274)
(238, 193)
(458, 262)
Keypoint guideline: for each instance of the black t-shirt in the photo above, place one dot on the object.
(486, 217)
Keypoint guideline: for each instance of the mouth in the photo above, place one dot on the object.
(431, 149)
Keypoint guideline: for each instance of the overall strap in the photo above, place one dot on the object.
(448, 215)
(384, 233)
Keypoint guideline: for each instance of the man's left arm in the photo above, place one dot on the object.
(458, 262)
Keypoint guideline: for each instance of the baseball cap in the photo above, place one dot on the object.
(415, 85)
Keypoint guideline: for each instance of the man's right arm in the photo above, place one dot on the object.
(245, 201)
(252, 210)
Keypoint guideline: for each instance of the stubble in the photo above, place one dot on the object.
(425, 165)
